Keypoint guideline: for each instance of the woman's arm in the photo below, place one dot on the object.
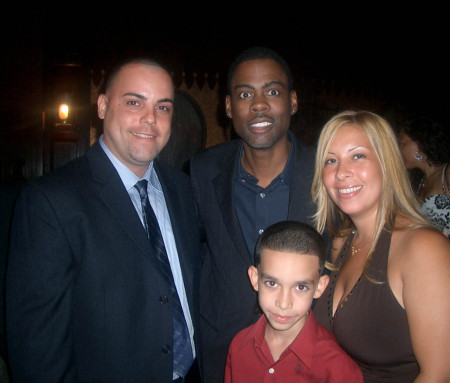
(425, 276)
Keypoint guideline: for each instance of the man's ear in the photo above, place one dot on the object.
(294, 102)
(228, 106)
(102, 102)
(321, 286)
(253, 275)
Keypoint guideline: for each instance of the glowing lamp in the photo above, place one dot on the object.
(63, 111)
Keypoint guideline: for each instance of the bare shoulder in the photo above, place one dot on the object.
(418, 259)
(421, 246)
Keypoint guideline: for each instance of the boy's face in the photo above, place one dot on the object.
(286, 284)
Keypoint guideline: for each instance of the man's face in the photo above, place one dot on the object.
(260, 103)
(137, 113)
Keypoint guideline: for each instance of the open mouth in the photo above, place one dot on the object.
(261, 124)
(143, 135)
(350, 190)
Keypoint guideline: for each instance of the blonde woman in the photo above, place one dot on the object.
(388, 298)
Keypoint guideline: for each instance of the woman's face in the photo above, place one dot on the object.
(409, 150)
(352, 173)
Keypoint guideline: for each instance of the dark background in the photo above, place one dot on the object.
(398, 55)
(401, 52)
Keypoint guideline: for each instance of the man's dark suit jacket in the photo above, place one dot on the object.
(86, 301)
(227, 300)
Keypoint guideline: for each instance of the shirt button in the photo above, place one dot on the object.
(271, 370)
(261, 231)
(163, 299)
(166, 349)
(262, 195)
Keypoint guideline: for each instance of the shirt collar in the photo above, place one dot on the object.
(303, 345)
(128, 178)
(256, 333)
(285, 175)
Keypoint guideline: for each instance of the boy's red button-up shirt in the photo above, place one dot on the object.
(314, 356)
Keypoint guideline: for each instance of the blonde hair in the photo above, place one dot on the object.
(397, 197)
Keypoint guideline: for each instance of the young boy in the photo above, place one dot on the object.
(287, 344)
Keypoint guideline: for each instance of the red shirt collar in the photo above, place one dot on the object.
(302, 346)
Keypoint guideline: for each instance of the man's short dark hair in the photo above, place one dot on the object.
(119, 65)
(259, 53)
(294, 237)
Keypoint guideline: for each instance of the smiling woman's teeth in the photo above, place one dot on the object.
(350, 190)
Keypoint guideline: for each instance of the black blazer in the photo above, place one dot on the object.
(227, 300)
(85, 299)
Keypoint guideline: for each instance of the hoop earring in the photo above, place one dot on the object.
(418, 156)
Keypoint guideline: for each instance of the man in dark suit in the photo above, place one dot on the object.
(87, 299)
(242, 187)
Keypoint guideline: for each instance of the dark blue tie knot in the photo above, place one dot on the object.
(141, 187)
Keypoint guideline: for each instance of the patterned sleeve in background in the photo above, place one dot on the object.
(437, 209)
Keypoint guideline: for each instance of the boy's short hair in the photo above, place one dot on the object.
(292, 236)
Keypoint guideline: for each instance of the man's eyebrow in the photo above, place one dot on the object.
(137, 95)
(237, 86)
(166, 100)
(266, 85)
(272, 83)
(142, 97)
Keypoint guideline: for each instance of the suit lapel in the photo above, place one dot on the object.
(109, 188)
(300, 209)
(224, 191)
(175, 208)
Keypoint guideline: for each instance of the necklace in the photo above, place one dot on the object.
(354, 251)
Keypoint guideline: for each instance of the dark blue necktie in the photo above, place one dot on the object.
(182, 351)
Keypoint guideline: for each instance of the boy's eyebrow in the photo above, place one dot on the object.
(268, 276)
(306, 282)
(300, 282)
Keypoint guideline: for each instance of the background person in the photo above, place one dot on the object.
(387, 300)
(425, 145)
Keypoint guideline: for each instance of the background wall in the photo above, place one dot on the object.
(393, 64)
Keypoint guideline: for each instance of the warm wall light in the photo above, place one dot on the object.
(63, 111)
